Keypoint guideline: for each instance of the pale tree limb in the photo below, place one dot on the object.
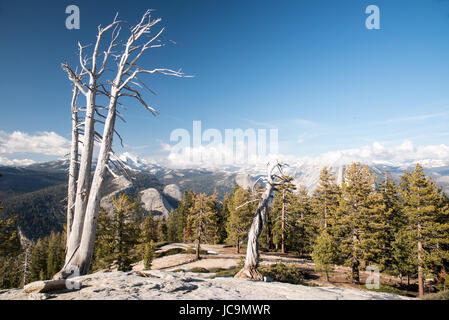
(85, 168)
(79, 258)
(249, 270)
(74, 163)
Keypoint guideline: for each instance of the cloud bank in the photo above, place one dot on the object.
(46, 143)
(43, 143)
(402, 155)
(220, 156)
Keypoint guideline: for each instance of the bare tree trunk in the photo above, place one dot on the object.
(198, 240)
(283, 223)
(85, 167)
(83, 183)
(74, 162)
(355, 260)
(81, 239)
(85, 252)
(325, 214)
(269, 232)
(420, 272)
(249, 271)
(197, 251)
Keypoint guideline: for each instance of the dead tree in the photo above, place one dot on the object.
(94, 70)
(125, 83)
(74, 161)
(249, 270)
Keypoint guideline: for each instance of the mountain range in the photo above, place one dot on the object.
(37, 193)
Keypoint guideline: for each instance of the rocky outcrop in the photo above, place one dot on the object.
(118, 184)
(154, 202)
(244, 180)
(163, 285)
(173, 194)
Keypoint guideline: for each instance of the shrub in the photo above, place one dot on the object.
(443, 295)
(387, 289)
(226, 272)
(199, 270)
(193, 251)
(282, 273)
(168, 252)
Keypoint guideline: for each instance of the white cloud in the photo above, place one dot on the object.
(46, 143)
(15, 162)
(302, 122)
(401, 155)
(421, 117)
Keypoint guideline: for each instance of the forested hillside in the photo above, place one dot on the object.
(21, 180)
(400, 228)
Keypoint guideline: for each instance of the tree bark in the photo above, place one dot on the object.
(420, 271)
(249, 271)
(83, 182)
(355, 259)
(74, 166)
(198, 240)
(84, 255)
(81, 238)
(269, 232)
(197, 253)
(325, 214)
(283, 222)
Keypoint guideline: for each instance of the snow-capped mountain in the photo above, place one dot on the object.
(305, 173)
(156, 187)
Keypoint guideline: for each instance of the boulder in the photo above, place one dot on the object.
(173, 193)
(45, 286)
(154, 202)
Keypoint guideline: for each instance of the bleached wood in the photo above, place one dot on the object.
(74, 164)
(85, 168)
(249, 270)
(80, 244)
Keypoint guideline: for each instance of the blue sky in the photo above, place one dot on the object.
(309, 68)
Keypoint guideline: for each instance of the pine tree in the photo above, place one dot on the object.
(223, 216)
(55, 254)
(202, 220)
(10, 271)
(173, 221)
(162, 229)
(390, 222)
(281, 206)
(324, 253)
(38, 265)
(301, 230)
(150, 248)
(426, 226)
(404, 261)
(326, 198)
(358, 217)
(241, 212)
(176, 226)
(9, 240)
(266, 239)
(10, 253)
(149, 230)
(118, 235)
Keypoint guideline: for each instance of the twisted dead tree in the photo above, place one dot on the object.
(124, 82)
(249, 270)
(92, 68)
